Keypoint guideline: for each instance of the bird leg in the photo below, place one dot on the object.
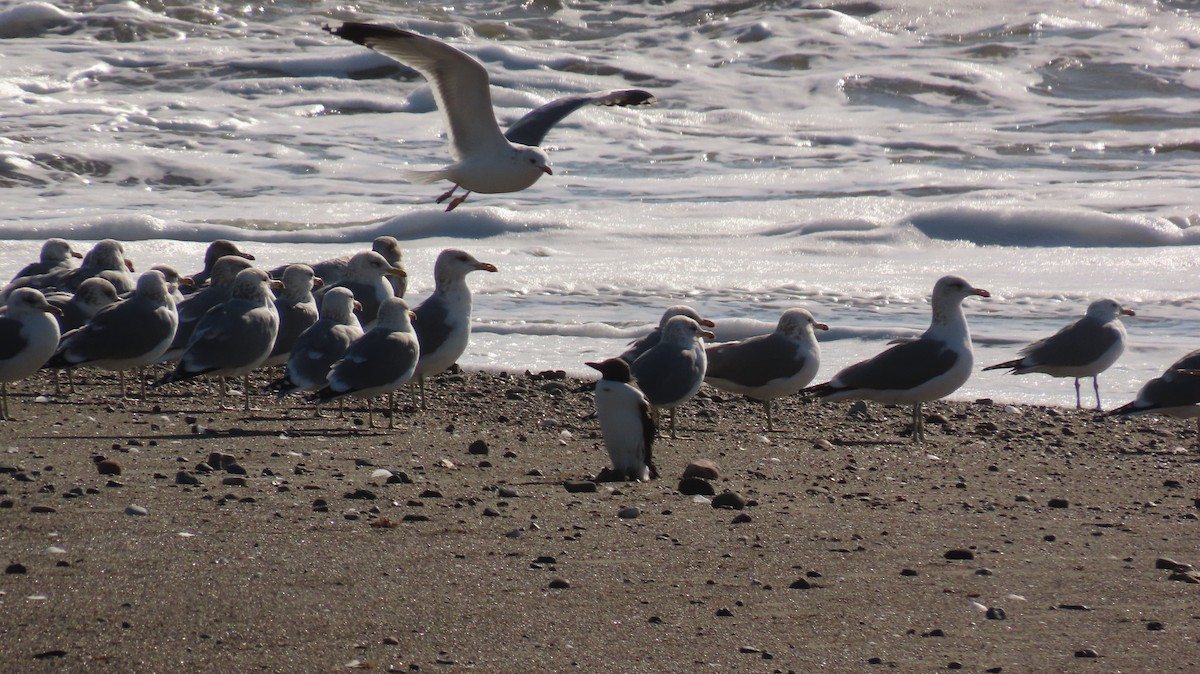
(1096, 386)
(1078, 401)
(370, 413)
(421, 388)
(141, 375)
(246, 387)
(767, 406)
(673, 436)
(449, 193)
(918, 424)
(457, 200)
(391, 409)
(4, 403)
(124, 390)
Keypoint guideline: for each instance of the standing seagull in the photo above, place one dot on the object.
(443, 321)
(215, 251)
(625, 423)
(107, 255)
(381, 361)
(334, 269)
(1175, 393)
(56, 254)
(195, 306)
(769, 366)
(233, 338)
(320, 346)
(93, 295)
(297, 310)
(485, 160)
(365, 276)
(671, 372)
(28, 336)
(913, 372)
(126, 335)
(646, 343)
(1084, 348)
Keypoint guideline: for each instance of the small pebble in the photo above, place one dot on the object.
(730, 501)
(1086, 653)
(703, 469)
(1155, 626)
(959, 554)
(694, 486)
(108, 467)
(185, 478)
(800, 584)
(15, 569)
(994, 613)
(478, 448)
(559, 584)
(629, 513)
(1058, 503)
(580, 486)
(137, 511)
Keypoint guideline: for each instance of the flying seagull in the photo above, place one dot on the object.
(486, 160)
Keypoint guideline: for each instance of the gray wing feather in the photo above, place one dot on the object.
(901, 367)
(1077, 344)
(755, 361)
(666, 375)
(533, 127)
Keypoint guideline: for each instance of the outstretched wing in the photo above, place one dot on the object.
(459, 82)
(533, 127)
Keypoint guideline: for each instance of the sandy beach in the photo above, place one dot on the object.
(167, 535)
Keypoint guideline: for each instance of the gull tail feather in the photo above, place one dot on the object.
(425, 177)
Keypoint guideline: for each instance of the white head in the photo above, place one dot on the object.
(1107, 310)
(108, 254)
(684, 332)
(253, 284)
(153, 286)
(96, 292)
(955, 289)
(298, 282)
(683, 310)
(454, 265)
(533, 159)
(338, 306)
(226, 270)
(30, 301)
(367, 265)
(58, 250)
(394, 315)
(798, 324)
(388, 247)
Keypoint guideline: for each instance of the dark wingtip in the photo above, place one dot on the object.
(628, 97)
(361, 33)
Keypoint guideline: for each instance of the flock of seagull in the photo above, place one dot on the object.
(341, 327)
(347, 334)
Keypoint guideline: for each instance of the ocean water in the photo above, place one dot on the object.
(838, 156)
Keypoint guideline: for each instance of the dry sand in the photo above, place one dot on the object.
(309, 562)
